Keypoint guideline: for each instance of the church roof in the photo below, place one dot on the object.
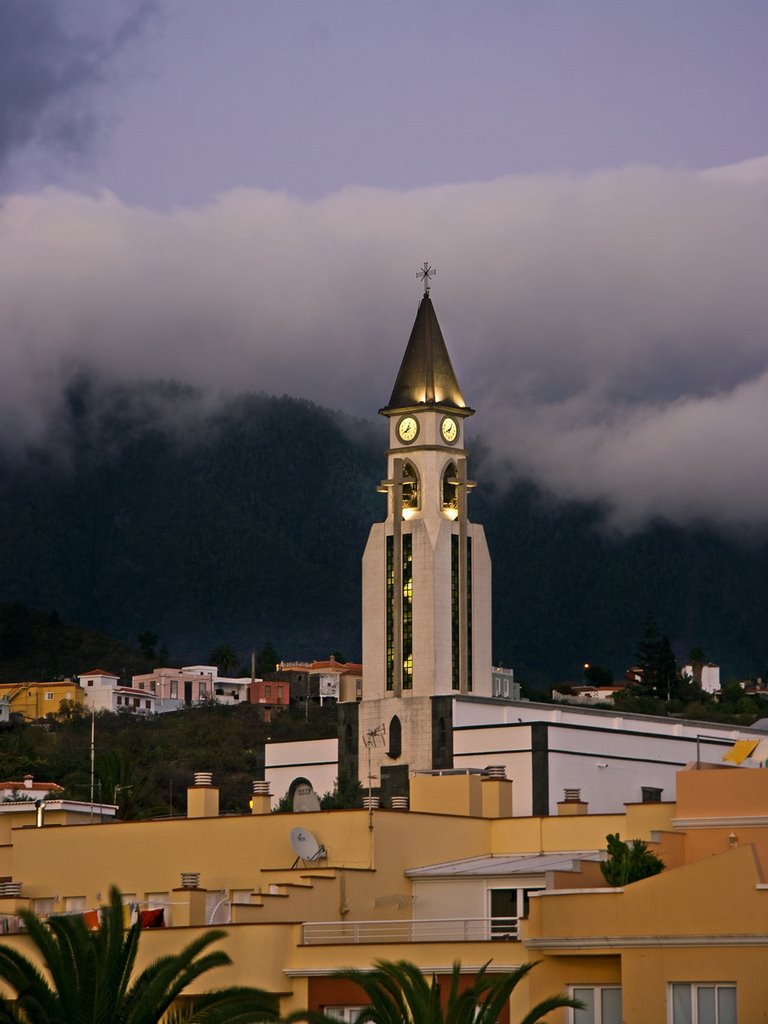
(426, 376)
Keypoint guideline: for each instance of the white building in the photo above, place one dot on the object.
(103, 693)
(709, 676)
(176, 688)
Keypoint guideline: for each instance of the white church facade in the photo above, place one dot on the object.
(428, 701)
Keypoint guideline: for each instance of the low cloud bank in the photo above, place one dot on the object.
(612, 330)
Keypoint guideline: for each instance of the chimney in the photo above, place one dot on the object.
(189, 900)
(572, 804)
(497, 792)
(261, 801)
(203, 797)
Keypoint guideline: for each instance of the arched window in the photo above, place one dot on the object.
(395, 738)
(411, 489)
(450, 501)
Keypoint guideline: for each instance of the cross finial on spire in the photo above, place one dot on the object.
(425, 274)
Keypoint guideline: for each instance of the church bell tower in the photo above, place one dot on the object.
(426, 569)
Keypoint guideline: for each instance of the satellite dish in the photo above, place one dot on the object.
(305, 798)
(305, 846)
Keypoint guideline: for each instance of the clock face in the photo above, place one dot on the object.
(408, 429)
(449, 430)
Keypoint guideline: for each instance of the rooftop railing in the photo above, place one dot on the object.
(451, 929)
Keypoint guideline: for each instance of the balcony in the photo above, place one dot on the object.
(443, 929)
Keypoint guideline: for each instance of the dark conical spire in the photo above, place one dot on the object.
(426, 376)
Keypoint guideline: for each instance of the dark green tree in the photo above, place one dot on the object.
(267, 659)
(91, 978)
(657, 660)
(148, 643)
(347, 792)
(598, 675)
(224, 658)
(647, 655)
(667, 676)
(629, 862)
(399, 993)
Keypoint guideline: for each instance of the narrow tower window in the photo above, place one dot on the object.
(454, 612)
(456, 616)
(407, 611)
(395, 738)
(390, 613)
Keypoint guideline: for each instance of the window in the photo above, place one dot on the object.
(242, 895)
(42, 907)
(602, 1004)
(119, 699)
(148, 703)
(279, 695)
(217, 906)
(506, 907)
(703, 1003)
(346, 1014)
(651, 794)
(174, 688)
(49, 695)
(74, 904)
(141, 684)
(390, 612)
(159, 901)
(407, 635)
(395, 738)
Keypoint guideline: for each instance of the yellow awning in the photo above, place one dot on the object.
(740, 751)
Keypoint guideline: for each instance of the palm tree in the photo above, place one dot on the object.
(400, 994)
(224, 658)
(92, 978)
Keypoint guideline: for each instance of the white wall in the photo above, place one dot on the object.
(315, 760)
(609, 756)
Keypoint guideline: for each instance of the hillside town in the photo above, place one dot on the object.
(485, 827)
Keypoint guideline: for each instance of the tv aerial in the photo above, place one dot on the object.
(306, 847)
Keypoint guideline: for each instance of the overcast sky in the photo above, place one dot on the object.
(239, 194)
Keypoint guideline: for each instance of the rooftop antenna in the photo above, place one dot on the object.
(371, 739)
(425, 274)
(93, 752)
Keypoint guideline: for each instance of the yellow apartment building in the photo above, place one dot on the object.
(36, 700)
(455, 876)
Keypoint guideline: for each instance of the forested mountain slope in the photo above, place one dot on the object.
(245, 521)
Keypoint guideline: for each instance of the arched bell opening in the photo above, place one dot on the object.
(450, 491)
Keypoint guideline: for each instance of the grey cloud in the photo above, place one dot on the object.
(610, 329)
(47, 63)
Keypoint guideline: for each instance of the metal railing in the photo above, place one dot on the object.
(444, 929)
